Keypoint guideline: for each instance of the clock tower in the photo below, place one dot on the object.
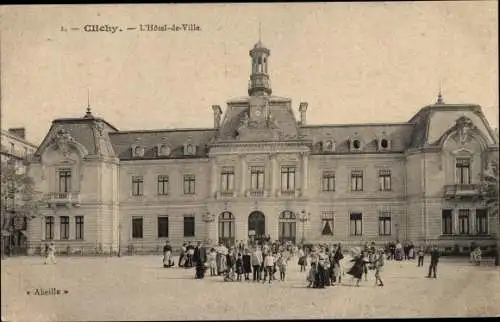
(259, 84)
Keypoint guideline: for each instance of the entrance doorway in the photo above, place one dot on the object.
(256, 226)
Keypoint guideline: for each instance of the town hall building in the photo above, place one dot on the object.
(261, 172)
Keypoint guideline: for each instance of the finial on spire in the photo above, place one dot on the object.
(440, 94)
(88, 114)
(260, 31)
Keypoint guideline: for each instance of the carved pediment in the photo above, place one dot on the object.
(464, 127)
(64, 142)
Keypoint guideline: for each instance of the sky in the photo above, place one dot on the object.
(352, 62)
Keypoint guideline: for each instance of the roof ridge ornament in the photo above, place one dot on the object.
(440, 100)
(88, 114)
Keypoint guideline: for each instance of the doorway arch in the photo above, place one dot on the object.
(256, 225)
(226, 228)
(287, 226)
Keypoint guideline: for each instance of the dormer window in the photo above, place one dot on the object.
(164, 150)
(384, 143)
(137, 151)
(328, 146)
(355, 143)
(189, 148)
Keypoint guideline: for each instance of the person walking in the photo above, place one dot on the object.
(167, 255)
(421, 254)
(51, 254)
(379, 262)
(434, 262)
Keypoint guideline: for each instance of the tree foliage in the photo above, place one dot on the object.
(18, 194)
(490, 189)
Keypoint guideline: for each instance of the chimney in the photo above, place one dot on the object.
(19, 132)
(217, 115)
(303, 110)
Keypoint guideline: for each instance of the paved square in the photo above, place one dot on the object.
(138, 288)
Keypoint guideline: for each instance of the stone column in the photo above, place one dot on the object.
(211, 233)
(472, 223)
(213, 183)
(305, 173)
(42, 228)
(455, 221)
(272, 174)
(57, 228)
(72, 228)
(272, 223)
(243, 175)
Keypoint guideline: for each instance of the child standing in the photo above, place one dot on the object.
(51, 253)
(212, 261)
(379, 264)
(247, 267)
(268, 267)
(239, 267)
(282, 264)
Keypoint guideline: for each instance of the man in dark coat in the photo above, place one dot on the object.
(434, 262)
(199, 259)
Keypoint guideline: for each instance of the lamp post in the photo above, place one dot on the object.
(119, 240)
(303, 218)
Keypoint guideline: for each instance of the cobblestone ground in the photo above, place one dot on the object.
(138, 288)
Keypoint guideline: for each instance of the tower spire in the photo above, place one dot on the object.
(259, 83)
(440, 94)
(260, 31)
(88, 114)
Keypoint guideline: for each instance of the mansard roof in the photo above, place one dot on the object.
(123, 142)
(398, 133)
(92, 133)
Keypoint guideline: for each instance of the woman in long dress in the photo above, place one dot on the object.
(358, 268)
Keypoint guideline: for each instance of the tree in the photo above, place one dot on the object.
(20, 202)
(491, 197)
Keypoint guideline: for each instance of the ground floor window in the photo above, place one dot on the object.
(49, 227)
(79, 227)
(163, 227)
(463, 221)
(356, 224)
(447, 222)
(189, 226)
(137, 227)
(481, 221)
(384, 224)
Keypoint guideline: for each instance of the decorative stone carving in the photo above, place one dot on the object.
(63, 141)
(209, 217)
(464, 126)
(328, 146)
(100, 128)
(383, 142)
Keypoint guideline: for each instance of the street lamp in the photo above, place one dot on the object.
(303, 218)
(119, 240)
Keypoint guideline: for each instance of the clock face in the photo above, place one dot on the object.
(257, 113)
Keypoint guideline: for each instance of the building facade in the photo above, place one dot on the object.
(15, 151)
(259, 171)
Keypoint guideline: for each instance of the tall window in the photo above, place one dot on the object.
(64, 227)
(137, 227)
(481, 221)
(257, 178)
(328, 183)
(49, 227)
(64, 180)
(79, 227)
(327, 223)
(287, 178)
(357, 180)
(189, 226)
(163, 227)
(463, 221)
(189, 184)
(384, 180)
(447, 221)
(463, 171)
(137, 185)
(356, 224)
(287, 226)
(384, 224)
(226, 226)
(162, 185)
(227, 179)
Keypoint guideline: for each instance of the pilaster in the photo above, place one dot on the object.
(305, 173)
(213, 183)
(243, 175)
(272, 174)
(72, 228)
(57, 228)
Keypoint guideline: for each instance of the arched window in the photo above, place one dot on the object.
(287, 226)
(260, 64)
(226, 228)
